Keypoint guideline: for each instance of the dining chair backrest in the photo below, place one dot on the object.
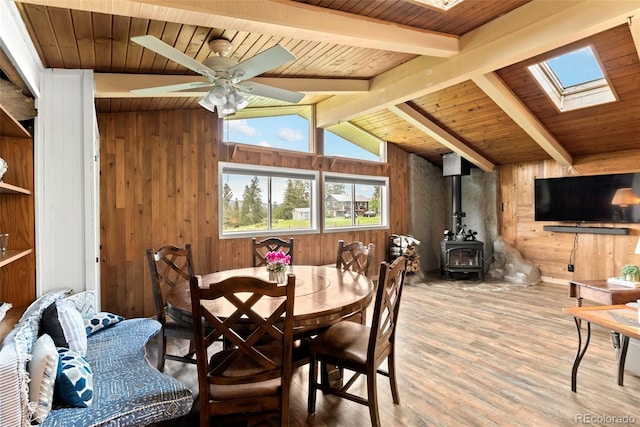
(354, 256)
(386, 308)
(168, 267)
(252, 375)
(271, 244)
(344, 345)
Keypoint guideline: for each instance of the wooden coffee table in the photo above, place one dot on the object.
(602, 292)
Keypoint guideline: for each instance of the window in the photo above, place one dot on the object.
(355, 201)
(573, 80)
(283, 128)
(258, 200)
(347, 140)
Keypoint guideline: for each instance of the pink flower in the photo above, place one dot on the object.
(277, 261)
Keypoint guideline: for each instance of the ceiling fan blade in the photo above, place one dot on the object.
(264, 61)
(161, 48)
(170, 88)
(271, 92)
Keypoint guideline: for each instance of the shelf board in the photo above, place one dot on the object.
(12, 189)
(10, 126)
(12, 255)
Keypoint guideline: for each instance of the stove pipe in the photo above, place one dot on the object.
(455, 166)
(456, 199)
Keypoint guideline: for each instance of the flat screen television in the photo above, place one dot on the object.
(599, 198)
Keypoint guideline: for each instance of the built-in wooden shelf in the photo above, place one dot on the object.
(17, 214)
(12, 255)
(9, 126)
(12, 189)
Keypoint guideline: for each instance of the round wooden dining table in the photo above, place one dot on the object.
(324, 295)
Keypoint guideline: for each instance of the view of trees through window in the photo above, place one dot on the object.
(261, 202)
(258, 200)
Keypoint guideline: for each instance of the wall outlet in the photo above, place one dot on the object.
(570, 268)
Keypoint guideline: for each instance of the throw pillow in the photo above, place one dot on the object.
(62, 321)
(43, 369)
(84, 301)
(74, 383)
(100, 321)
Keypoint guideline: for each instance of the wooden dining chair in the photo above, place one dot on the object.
(271, 244)
(354, 256)
(362, 349)
(251, 378)
(169, 266)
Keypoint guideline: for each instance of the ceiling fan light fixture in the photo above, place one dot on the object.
(205, 103)
(226, 110)
(218, 95)
(237, 100)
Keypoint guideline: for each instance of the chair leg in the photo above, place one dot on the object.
(372, 394)
(205, 417)
(391, 362)
(162, 351)
(313, 368)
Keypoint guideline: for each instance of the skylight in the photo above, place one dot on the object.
(573, 80)
(438, 4)
(577, 67)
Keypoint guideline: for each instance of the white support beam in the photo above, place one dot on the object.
(634, 27)
(532, 29)
(279, 18)
(417, 119)
(16, 44)
(502, 95)
(116, 85)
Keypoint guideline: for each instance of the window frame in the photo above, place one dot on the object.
(270, 172)
(351, 179)
(304, 112)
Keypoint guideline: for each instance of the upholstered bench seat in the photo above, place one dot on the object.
(126, 389)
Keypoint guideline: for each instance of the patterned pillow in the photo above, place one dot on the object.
(43, 368)
(74, 382)
(62, 321)
(85, 302)
(100, 321)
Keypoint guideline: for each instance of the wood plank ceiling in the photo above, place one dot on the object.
(428, 104)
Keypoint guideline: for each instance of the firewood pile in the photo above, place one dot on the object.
(399, 245)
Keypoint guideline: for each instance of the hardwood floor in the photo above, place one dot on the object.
(481, 358)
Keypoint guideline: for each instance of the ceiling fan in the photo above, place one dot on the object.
(224, 75)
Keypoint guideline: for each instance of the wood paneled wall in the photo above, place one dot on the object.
(159, 186)
(596, 256)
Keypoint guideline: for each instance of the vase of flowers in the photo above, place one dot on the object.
(277, 263)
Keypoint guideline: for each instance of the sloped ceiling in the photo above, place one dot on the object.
(429, 81)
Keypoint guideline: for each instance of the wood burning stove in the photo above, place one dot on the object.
(460, 253)
(462, 257)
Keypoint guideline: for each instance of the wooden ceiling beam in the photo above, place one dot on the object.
(280, 18)
(116, 85)
(20, 52)
(504, 97)
(532, 29)
(422, 123)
